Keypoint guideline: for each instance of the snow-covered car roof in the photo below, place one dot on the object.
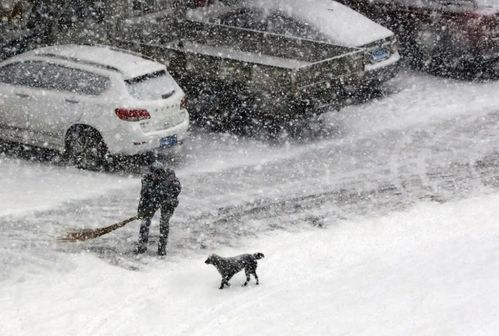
(129, 64)
(339, 23)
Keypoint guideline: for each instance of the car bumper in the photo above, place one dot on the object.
(382, 71)
(143, 143)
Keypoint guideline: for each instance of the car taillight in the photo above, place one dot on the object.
(183, 102)
(132, 114)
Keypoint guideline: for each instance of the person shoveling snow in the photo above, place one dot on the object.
(160, 190)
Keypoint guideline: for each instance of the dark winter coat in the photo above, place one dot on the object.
(159, 190)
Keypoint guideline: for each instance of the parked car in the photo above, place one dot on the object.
(462, 34)
(318, 20)
(274, 61)
(14, 31)
(90, 102)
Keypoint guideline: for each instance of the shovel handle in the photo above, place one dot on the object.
(86, 234)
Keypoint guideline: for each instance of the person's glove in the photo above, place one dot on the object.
(142, 211)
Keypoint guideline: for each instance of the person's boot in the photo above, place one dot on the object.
(141, 249)
(143, 237)
(162, 246)
(162, 252)
(163, 238)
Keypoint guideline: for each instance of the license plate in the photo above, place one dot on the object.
(168, 141)
(379, 55)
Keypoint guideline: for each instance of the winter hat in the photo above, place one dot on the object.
(156, 167)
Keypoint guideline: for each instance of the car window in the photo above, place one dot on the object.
(143, 6)
(451, 3)
(20, 73)
(156, 85)
(403, 3)
(274, 22)
(75, 80)
(49, 76)
(279, 23)
(248, 18)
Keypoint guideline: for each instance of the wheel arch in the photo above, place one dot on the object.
(80, 126)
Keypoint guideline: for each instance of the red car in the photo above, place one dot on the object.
(458, 34)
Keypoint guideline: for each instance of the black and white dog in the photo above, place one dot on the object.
(227, 267)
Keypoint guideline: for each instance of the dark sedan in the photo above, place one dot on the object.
(457, 34)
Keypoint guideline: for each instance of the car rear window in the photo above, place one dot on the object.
(155, 85)
(279, 23)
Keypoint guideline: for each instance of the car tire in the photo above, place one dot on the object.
(85, 149)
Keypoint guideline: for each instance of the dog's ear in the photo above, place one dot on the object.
(258, 255)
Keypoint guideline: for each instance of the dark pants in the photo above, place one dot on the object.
(164, 229)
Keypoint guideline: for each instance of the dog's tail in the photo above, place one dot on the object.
(258, 255)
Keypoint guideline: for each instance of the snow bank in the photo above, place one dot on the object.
(431, 270)
(30, 186)
(416, 101)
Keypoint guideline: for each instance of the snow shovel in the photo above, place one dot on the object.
(86, 234)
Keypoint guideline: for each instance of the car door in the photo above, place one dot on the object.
(65, 95)
(16, 80)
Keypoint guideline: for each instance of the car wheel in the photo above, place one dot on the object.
(86, 149)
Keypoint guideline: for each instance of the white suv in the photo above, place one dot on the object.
(91, 102)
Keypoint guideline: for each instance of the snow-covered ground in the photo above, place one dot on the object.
(33, 186)
(431, 270)
(387, 228)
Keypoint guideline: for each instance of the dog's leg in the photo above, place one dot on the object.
(256, 277)
(247, 276)
(252, 270)
(225, 282)
(227, 278)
